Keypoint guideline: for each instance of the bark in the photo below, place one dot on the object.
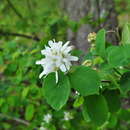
(99, 10)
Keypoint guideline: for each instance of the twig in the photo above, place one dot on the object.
(111, 31)
(117, 71)
(14, 9)
(15, 119)
(106, 81)
(2, 33)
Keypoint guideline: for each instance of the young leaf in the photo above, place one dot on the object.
(96, 108)
(56, 94)
(126, 34)
(85, 80)
(29, 112)
(78, 102)
(100, 42)
(85, 113)
(25, 92)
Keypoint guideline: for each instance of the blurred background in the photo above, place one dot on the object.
(25, 27)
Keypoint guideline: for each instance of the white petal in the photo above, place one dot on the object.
(49, 68)
(38, 62)
(60, 44)
(58, 63)
(40, 76)
(46, 51)
(56, 77)
(50, 43)
(68, 49)
(41, 62)
(68, 64)
(63, 68)
(65, 45)
(43, 52)
(73, 58)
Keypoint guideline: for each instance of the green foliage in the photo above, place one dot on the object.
(29, 112)
(113, 100)
(122, 6)
(100, 42)
(126, 34)
(92, 94)
(85, 80)
(125, 83)
(118, 55)
(56, 94)
(112, 121)
(97, 109)
(78, 102)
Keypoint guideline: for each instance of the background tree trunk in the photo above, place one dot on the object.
(99, 9)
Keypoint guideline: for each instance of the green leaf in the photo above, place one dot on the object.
(125, 83)
(112, 121)
(114, 83)
(29, 112)
(1, 60)
(78, 102)
(116, 56)
(113, 100)
(124, 114)
(127, 52)
(126, 34)
(1, 101)
(25, 92)
(100, 42)
(85, 80)
(96, 108)
(56, 94)
(85, 113)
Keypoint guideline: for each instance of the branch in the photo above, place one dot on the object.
(14, 9)
(106, 81)
(2, 33)
(15, 119)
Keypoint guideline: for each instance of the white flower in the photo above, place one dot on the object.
(47, 118)
(67, 116)
(42, 128)
(121, 67)
(57, 57)
(77, 93)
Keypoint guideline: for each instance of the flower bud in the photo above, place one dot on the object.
(92, 37)
(87, 63)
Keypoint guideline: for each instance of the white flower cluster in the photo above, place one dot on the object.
(67, 116)
(46, 119)
(57, 56)
(42, 128)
